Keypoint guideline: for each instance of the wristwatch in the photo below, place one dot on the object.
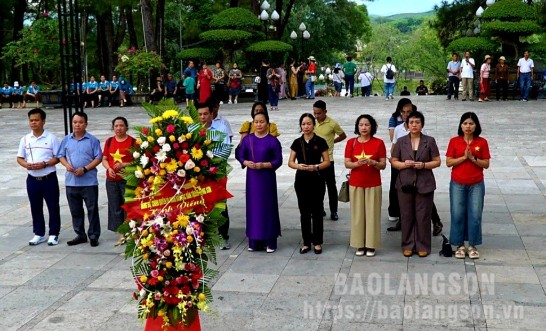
(318, 168)
(85, 170)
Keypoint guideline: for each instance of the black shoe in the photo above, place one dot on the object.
(437, 228)
(317, 251)
(94, 242)
(448, 98)
(76, 241)
(304, 250)
(396, 227)
(333, 216)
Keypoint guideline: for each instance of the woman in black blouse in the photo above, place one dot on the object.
(311, 154)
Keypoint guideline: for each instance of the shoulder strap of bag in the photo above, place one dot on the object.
(303, 150)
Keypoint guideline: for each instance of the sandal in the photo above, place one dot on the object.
(460, 252)
(473, 252)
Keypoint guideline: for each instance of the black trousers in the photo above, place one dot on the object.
(329, 176)
(394, 206)
(224, 228)
(310, 191)
(453, 86)
(502, 84)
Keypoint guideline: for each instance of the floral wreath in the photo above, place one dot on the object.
(175, 196)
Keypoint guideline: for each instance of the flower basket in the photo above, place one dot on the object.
(175, 196)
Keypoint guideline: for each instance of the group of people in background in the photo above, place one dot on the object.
(198, 85)
(18, 95)
(464, 72)
(102, 93)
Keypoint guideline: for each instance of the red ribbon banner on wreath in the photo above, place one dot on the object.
(199, 199)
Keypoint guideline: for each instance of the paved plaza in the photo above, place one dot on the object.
(90, 288)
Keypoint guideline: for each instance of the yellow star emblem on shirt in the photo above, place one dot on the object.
(363, 155)
(117, 156)
(477, 148)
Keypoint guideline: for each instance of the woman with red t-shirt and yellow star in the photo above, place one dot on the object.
(365, 155)
(467, 154)
(117, 156)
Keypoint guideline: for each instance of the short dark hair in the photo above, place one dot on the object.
(475, 119)
(454, 53)
(416, 114)
(254, 107)
(349, 58)
(81, 114)
(389, 59)
(320, 104)
(120, 118)
(266, 115)
(309, 115)
(199, 105)
(37, 111)
(401, 103)
(372, 121)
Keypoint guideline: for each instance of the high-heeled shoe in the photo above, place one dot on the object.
(317, 250)
(304, 249)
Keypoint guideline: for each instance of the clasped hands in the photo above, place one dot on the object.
(36, 166)
(306, 167)
(414, 164)
(255, 165)
(368, 162)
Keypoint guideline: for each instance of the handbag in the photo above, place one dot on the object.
(343, 194)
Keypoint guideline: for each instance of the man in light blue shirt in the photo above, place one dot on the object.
(453, 69)
(7, 91)
(80, 153)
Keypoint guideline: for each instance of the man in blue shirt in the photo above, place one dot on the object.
(17, 96)
(80, 153)
(453, 69)
(114, 90)
(33, 94)
(7, 92)
(104, 90)
(170, 86)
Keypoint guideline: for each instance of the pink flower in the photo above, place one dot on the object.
(213, 170)
(154, 273)
(170, 128)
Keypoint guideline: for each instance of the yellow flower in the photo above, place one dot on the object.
(169, 264)
(146, 256)
(196, 169)
(147, 172)
(172, 166)
(199, 251)
(138, 141)
(170, 114)
(162, 172)
(161, 313)
(172, 138)
(207, 142)
(144, 233)
(158, 180)
(189, 239)
(196, 153)
(160, 278)
(193, 181)
(188, 135)
(202, 305)
(156, 119)
(187, 119)
(162, 165)
(151, 139)
(158, 132)
(143, 279)
(202, 296)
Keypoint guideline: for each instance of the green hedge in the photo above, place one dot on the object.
(236, 18)
(225, 35)
(509, 10)
(269, 46)
(474, 44)
(197, 54)
(520, 28)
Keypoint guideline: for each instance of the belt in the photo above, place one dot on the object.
(48, 176)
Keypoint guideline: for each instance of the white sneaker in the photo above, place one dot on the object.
(229, 102)
(391, 96)
(370, 252)
(221, 102)
(235, 101)
(226, 245)
(53, 240)
(270, 250)
(393, 218)
(36, 240)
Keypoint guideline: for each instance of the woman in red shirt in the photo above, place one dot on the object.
(204, 79)
(468, 154)
(116, 156)
(365, 155)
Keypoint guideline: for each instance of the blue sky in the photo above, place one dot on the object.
(391, 7)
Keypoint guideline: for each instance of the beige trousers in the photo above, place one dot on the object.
(365, 216)
(468, 88)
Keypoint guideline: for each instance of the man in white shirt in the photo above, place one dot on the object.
(389, 73)
(467, 76)
(37, 153)
(525, 75)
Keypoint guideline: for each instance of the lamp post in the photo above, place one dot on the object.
(264, 16)
(305, 35)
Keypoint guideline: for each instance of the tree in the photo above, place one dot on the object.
(509, 22)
